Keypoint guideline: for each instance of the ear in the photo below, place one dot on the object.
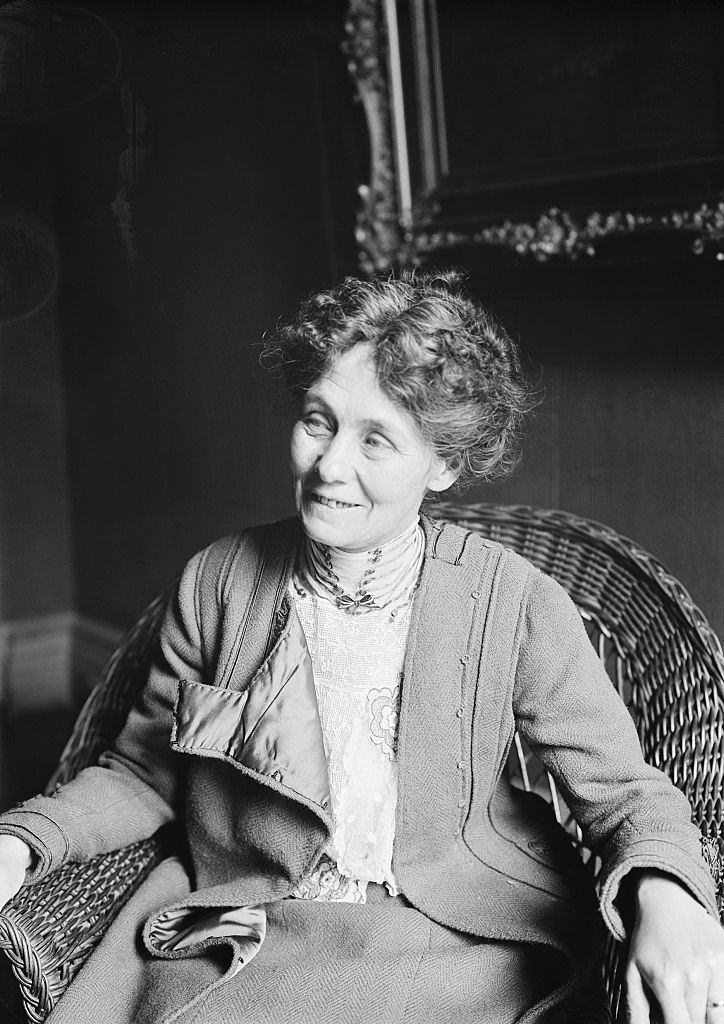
(445, 475)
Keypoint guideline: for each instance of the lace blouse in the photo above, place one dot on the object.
(357, 662)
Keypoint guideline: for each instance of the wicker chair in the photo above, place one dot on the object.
(657, 647)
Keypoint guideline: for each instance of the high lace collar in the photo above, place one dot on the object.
(363, 581)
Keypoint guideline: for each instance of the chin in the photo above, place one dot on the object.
(317, 531)
(325, 531)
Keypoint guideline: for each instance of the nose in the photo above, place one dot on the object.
(335, 461)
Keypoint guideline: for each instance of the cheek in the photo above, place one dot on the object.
(415, 474)
(303, 452)
(395, 485)
(296, 453)
(407, 485)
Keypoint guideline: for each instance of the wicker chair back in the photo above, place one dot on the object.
(105, 712)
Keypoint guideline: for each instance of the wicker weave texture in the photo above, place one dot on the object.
(49, 929)
(105, 712)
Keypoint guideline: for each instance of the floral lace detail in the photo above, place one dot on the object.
(326, 882)
(357, 663)
(384, 707)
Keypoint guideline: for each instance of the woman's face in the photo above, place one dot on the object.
(360, 465)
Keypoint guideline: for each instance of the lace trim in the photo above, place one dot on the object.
(326, 882)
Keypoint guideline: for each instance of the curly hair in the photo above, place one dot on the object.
(438, 354)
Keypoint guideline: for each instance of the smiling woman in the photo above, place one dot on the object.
(328, 716)
(360, 465)
(436, 354)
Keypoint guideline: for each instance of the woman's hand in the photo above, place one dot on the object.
(15, 859)
(677, 956)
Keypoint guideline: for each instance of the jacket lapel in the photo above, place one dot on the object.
(265, 722)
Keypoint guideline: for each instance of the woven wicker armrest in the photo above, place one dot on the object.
(49, 929)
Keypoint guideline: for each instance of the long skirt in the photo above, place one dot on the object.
(381, 962)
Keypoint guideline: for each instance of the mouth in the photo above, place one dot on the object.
(328, 502)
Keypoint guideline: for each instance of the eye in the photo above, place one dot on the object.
(316, 424)
(377, 443)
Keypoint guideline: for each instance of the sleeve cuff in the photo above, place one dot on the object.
(46, 840)
(663, 856)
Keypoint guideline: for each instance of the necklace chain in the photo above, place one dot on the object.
(383, 577)
(361, 599)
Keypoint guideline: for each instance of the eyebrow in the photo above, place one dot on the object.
(369, 424)
(381, 425)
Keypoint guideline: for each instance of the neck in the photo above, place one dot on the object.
(360, 581)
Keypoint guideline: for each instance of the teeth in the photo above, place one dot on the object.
(332, 503)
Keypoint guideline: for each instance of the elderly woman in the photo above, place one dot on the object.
(328, 718)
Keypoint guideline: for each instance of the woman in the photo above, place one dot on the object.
(329, 714)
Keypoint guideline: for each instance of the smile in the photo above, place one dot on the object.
(329, 502)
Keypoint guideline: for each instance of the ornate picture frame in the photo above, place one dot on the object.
(602, 199)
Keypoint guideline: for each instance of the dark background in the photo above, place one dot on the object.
(137, 423)
(588, 94)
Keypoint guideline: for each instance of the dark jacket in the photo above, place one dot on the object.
(227, 734)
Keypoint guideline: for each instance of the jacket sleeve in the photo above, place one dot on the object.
(569, 713)
(135, 787)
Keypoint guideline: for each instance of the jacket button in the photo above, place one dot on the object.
(464, 660)
(459, 766)
(459, 712)
(475, 595)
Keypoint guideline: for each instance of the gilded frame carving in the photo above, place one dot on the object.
(396, 222)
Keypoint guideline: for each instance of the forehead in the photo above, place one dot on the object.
(350, 388)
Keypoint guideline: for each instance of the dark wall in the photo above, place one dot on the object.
(35, 519)
(245, 130)
(629, 429)
(248, 151)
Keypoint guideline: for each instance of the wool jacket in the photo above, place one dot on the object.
(226, 737)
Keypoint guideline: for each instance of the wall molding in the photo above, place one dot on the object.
(52, 661)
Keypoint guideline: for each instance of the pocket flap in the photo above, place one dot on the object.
(207, 718)
(272, 728)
